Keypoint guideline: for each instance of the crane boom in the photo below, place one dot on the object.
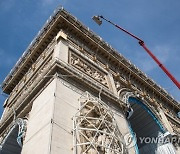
(141, 42)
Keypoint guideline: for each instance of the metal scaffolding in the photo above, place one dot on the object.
(95, 128)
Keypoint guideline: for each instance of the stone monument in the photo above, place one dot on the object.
(71, 92)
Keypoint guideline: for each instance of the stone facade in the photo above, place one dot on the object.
(72, 92)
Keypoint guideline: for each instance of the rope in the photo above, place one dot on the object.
(14, 112)
(2, 93)
(100, 93)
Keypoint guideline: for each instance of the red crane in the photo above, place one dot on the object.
(98, 20)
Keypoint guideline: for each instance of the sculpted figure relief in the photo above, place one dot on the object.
(88, 69)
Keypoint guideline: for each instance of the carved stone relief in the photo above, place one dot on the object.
(124, 95)
(96, 131)
(169, 112)
(175, 127)
(87, 68)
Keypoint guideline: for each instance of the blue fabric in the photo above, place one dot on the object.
(131, 131)
(135, 100)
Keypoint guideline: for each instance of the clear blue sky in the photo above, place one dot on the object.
(157, 22)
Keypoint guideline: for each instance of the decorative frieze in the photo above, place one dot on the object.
(175, 127)
(169, 112)
(88, 69)
(122, 84)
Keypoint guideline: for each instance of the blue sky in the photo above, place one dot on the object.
(157, 22)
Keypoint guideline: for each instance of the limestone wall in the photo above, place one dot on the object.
(38, 134)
